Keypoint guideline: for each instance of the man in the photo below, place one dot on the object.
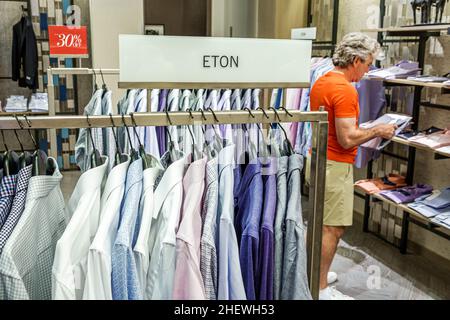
(335, 92)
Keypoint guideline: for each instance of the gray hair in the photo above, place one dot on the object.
(355, 45)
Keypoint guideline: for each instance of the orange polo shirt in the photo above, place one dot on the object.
(340, 99)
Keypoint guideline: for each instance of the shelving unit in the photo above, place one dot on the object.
(419, 34)
(415, 217)
(325, 44)
(421, 147)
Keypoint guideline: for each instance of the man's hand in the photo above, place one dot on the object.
(386, 131)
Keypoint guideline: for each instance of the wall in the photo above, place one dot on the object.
(179, 17)
(360, 15)
(109, 18)
(241, 15)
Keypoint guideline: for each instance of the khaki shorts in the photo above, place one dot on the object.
(338, 211)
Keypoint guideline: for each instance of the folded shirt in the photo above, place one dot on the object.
(407, 194)
(16, 104)
(428, 79)
(39, 102)
(442, 220)
(390, 182)
(441, 201)
(401, 70)
(434, 141)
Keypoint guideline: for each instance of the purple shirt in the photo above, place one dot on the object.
(247, 223)
(407, 194)
(267, 238)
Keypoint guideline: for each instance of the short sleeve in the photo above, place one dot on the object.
(345, 102)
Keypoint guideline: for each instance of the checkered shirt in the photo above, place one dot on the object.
(27, 258)
(7, 190)
(208, 252)
(18, 205)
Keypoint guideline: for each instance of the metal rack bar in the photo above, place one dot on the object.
(318, 164)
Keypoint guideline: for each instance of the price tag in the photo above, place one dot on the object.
(68, 42)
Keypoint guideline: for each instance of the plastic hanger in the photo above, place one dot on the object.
(173, 154)
(287, 149)
(253, 153)
(134, 154)
(118, 155)
(197, 154)
(219, 143)
(24, 157)
(104, 87)
(95, 158)
(207, 147)
(266, 145)
(95, 81)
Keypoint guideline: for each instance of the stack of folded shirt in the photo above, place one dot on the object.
(434, 141)
(390, 182)
(407, 194)
(428, 79)
(39, 102)
(16, 104)
(409, 133)
(436, 206)
(401, 70)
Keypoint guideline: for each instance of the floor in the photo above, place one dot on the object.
(370, 269)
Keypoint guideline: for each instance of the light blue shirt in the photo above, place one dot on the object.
(125, 283)
(230, 284)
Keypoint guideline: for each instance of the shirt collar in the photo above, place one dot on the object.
(269, 166)
(41, 186)
(295, 162)
(196, 171)
(134, 174)
(150, 176)
(226, 156)
(92, 179)
(282, 165)
(172, 176)
(117, 176)
(23, 178)
(8, 187)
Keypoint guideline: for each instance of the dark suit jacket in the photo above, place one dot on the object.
(24, 54)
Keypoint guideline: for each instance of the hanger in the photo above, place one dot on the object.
(95, 81)
(8, 161)
(148, 161)
(24, 158)
(219, 143)
(197, 154)
(40, 163)
(266, 145)
(253, 153)
(134, 154)
(118, 155)
(287, 149)
(95, 158)
(207, 147)
(104, 87)
(173, 155)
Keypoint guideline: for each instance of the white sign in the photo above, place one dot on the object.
(168, 59)
(304, 34)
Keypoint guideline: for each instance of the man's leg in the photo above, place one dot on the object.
(330, 241)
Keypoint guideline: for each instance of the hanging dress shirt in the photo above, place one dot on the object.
(27, 258)
(187, 101)
(166, 218)
(98, 279)
(18, 205)
(127, 108)
(143, 247)
(208, 250)
(125, 284)
(225, 105)
(109, 143)
(83, 146)
(267, 242)
(230, 283)
(83, 209)
(188, 281)
(238, 135)
(7, 191)
(248, 217)
(280, 223)
(151, 142)
(293, 97)
(199, 104)
(294, 285)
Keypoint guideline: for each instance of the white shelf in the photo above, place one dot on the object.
(418, 146)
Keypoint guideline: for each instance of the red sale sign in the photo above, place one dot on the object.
(68, 41)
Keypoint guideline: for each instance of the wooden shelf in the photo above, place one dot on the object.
(405, 82)
(409, 29)
(419, 146)
(414, 214)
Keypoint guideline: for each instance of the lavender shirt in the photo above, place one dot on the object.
(267, 239)
(407, 194)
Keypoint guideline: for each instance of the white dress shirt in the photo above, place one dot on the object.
(166, 218)
(69, 267)
(98, 279)
(173, 105)
(143, 247)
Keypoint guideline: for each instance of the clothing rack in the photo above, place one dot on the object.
(318, 156)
